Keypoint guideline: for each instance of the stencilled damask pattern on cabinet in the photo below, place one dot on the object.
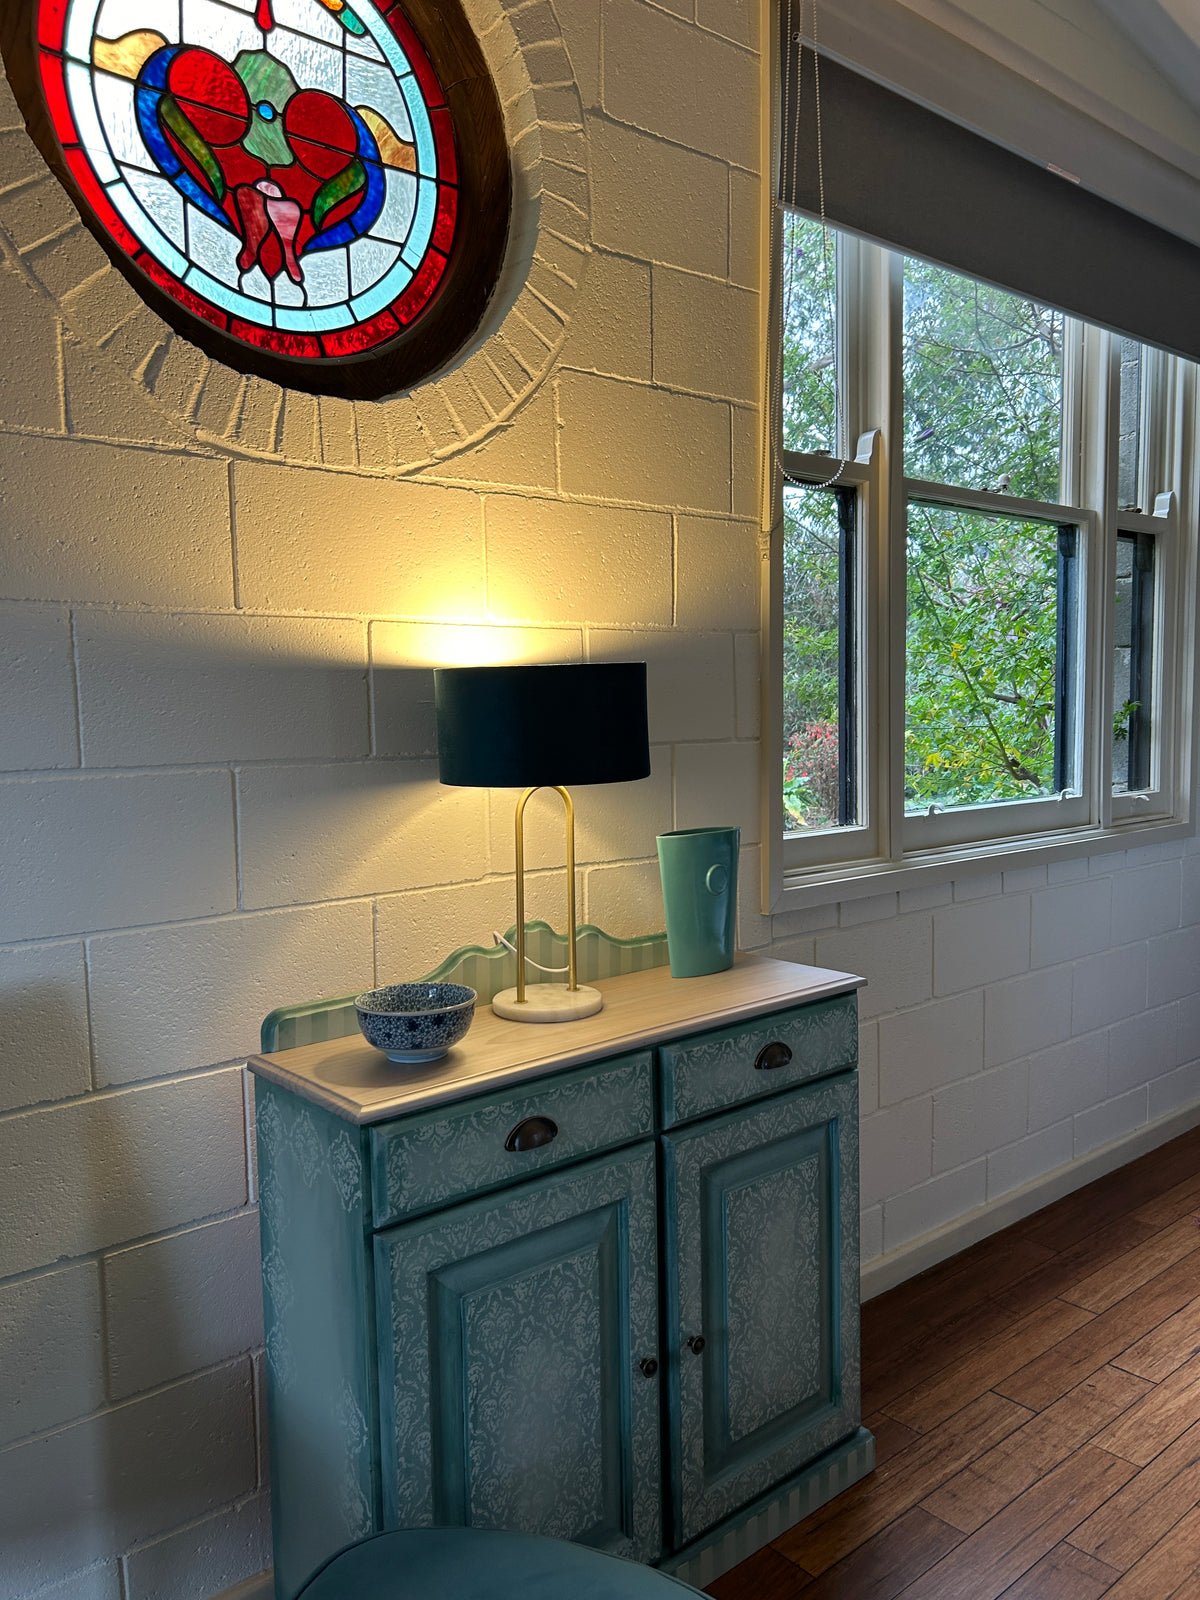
(430, 1160)
(718, 1069)
(729, 1180)
(537, 1334)
(510, 1327)
(319, 1374)
(772, 1229)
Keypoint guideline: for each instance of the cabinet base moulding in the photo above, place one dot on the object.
(739, 1537)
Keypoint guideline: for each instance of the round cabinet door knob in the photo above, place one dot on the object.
(696, 1344)
(649, 1366)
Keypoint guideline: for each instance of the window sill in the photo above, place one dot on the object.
(822, 885)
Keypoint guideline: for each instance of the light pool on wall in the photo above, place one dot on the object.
(287, 172)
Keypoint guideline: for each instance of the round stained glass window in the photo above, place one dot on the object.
(292, 177)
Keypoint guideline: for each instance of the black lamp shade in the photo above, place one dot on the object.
(517, 727)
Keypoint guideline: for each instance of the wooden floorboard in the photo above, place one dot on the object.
(1036, 1406)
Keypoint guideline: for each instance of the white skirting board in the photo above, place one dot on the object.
(886, 1271)
(261, 1587)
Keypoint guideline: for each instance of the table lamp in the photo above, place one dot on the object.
(543, 727)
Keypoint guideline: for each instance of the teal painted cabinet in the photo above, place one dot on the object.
(598, 1281)
(511, 1333)
(762, 1236)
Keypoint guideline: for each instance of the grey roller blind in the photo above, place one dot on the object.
(909, 178)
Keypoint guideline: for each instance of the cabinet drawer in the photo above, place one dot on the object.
(460, 1150)
(711, 1070)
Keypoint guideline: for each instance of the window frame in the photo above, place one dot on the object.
(886, 848)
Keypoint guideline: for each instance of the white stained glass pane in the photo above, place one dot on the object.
(79, 87)
(256, 284)
(313, 64)
(218, 28)
(378, 30)
(308, 16)
(114, 100)
(148, 232)
(228, 299)
(77, 35)
(368, 85)
(384, 292)
(395, 220)
(116, 18)
(213, 248)
(326, 277)
(287, 293)
(369, 260)
(418, 239)
(361, 45)
(161, 202)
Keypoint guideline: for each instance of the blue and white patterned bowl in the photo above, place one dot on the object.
(416, 1021)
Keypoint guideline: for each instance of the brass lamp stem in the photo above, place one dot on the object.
(568, 806)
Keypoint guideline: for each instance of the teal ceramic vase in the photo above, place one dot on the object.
(698, 867)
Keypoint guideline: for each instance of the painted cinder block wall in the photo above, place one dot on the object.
(218, 607)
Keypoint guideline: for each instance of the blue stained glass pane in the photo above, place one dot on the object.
(228, 299)
(422, 228)
(311, 321)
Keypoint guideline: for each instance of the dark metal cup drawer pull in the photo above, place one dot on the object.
(531, 1134)
(772, 1055)
(649, 1366)
(696, 1344)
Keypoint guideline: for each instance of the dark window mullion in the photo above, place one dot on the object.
(1141, 653)
(1065, 648)
(847, 661)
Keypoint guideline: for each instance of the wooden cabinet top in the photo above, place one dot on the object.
(353, 1080)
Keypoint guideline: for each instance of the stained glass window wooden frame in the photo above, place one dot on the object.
(314, 191)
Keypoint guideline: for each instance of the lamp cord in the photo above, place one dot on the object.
(775, 416)
(498, 939)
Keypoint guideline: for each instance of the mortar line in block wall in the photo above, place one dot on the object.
(109, 1407)
(233, 539)
(186, 451)
(87, 1012)
(109, 1091)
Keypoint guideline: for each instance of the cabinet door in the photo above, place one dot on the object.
(762, 1211)
(511, 1336)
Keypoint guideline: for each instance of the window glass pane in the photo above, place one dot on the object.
(982, 385)
(988, 637)
(1130, 428)
(809, 334)
(818, 659)
(1133, 647)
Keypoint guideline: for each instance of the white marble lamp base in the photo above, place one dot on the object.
(548, 1002)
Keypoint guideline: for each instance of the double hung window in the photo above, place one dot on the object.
(977, 573)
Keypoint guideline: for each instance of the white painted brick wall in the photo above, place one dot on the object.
(216, 791)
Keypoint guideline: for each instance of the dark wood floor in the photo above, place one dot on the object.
(1036, 1407)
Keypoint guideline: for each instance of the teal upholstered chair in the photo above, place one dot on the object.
(470, 1564)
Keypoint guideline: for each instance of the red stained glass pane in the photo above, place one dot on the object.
(211, 95)
(52, 19)
(54, 84)
(320, 132)
(284, 344)
(420, 291)
(365, 337)
(426, 77)
(168, 281)
(447, 215)
(443, 133)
